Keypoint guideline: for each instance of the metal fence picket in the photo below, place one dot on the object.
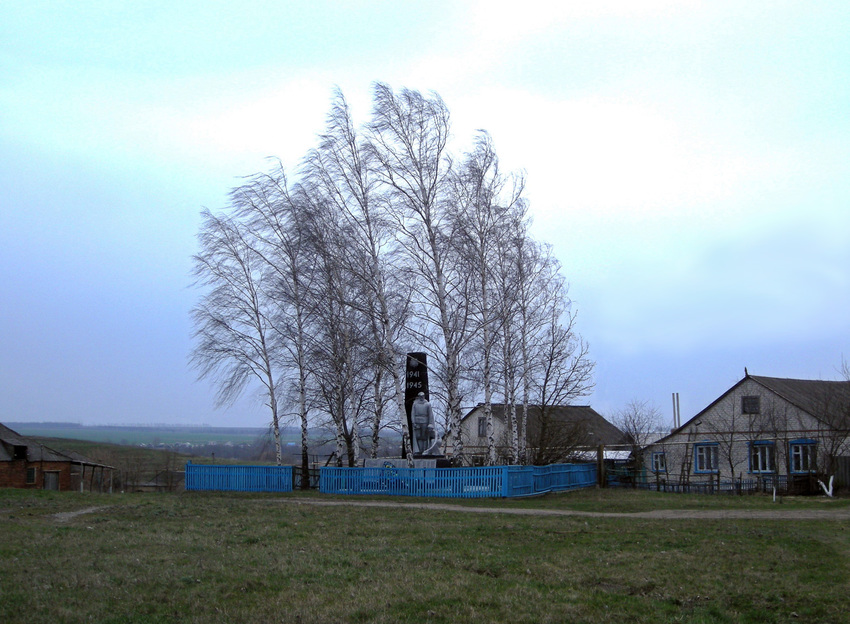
(238, 478)
(486, 482)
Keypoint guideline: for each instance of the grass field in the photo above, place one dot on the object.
(265, 558)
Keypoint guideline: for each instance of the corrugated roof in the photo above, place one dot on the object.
(828, 401)
(36, 451)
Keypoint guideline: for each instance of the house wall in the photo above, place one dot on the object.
(13, 474)
(469, 431)
(734, 433)
(475, 445)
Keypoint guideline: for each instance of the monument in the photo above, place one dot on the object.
(420, 416)
(423, 433)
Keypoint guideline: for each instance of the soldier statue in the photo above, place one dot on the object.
(423, 424)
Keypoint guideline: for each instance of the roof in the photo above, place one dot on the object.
(600, 430)
(827, 401)
(36, 451)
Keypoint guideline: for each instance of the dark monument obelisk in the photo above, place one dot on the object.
(420, 418)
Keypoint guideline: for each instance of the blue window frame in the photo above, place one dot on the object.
(659, 462)
(705, 457)
(762, 457)
(801, 455)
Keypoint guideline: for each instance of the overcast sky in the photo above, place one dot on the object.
(688, 161)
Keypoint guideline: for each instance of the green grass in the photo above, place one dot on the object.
(627, 500)
(259, 558)
(632, 501)
(133, 463)
(103, 451)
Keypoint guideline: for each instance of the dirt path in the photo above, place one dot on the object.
(66, 516)
(842, 513)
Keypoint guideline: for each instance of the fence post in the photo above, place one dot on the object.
(505, 484)
(601, 481)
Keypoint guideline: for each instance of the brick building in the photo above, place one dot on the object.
(26, 463)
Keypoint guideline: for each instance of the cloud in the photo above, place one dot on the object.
(747, 290)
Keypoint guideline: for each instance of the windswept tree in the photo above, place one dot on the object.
(545, 361)
(383, 244)
(515, 291)
(234, 326)
(337, 355)
(485, 206)
(269, 210)
(408, 139)
(342, 172)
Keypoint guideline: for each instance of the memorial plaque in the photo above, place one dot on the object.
(416, 377)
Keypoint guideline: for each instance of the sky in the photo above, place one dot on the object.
(688, 161)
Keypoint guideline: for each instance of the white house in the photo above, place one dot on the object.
(554, 434)
(761, 428)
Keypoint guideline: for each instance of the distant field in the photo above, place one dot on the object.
(266, 558)
(246, 443)
(147, 435)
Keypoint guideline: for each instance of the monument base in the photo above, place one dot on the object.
(440, 461)
(419, 461)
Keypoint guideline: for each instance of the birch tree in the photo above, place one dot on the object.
(267, 207)
(342, 170)
(483, 209)
(558, 365)
(381, 242)
(337, 355)
(519, 271)
(408, 139)
(234, 321)
(544, 359)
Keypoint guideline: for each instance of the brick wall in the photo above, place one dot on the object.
(13, 474)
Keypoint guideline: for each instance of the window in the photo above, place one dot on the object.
(705, 457)
(482, 427)
(30, 476)
(802, 455)
(762, 457)
(659, 462)
(751, 405)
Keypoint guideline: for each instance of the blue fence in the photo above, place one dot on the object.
(239, 478)
(496, 481)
